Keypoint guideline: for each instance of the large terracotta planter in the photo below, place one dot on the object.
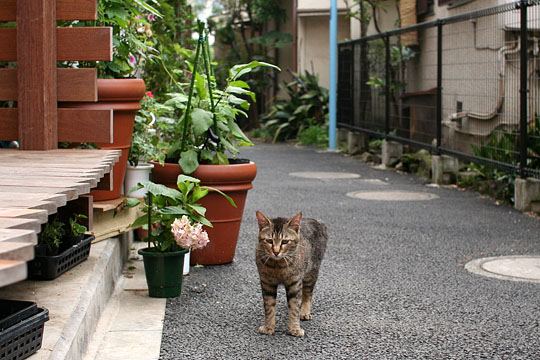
(123, 96)
(234, 180)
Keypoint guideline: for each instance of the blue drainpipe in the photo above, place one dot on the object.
(333, 76)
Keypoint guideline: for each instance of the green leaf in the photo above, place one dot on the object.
(199, 193)
(142, 220)
(160, 190)
(174, 210)
(148, 7)
(199, 209)
(240, 70)
(132, 202)
(227, 197)
(201, 121)
(183, 178)
(200, 86)
(188, 161)
(240, 84)
(221, 159)
(203, 221)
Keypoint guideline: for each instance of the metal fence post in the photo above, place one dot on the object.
(387, 87)
(523, 92)
(439, 86)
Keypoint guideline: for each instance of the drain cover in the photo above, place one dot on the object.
(392, 195)
(322, 175)
(516, 268)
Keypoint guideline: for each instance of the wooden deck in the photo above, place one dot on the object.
(33, 185)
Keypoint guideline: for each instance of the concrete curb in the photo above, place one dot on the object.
(96, 292)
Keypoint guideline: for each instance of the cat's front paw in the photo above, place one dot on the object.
(298, 332)
(306, 316)
(265, 330)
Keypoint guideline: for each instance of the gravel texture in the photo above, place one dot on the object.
(392, 285)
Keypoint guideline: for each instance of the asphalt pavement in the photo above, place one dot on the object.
(392, 285)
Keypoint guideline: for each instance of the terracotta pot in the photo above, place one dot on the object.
(234, 180)
(123, 96)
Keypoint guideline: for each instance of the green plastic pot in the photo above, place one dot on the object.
(163, 272)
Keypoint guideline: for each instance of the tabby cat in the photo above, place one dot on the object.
(289, 253)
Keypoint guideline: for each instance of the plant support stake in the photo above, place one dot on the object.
(192, 83)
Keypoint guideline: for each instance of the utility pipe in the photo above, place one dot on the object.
(332, 106)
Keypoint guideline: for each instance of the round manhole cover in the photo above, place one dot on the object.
(323, 175)
(516, 268)
(392, 195)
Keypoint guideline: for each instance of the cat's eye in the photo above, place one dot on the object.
(269, 241)
(284, 242)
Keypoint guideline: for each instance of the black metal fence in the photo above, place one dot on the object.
(466, 86)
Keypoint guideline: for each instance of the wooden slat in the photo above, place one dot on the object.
(90, 181)
(6, 171)
(65, 10)
(70, 193)
(85, 44)
(16, 251)
(74, 125)
(16, 235)
(77, 85)
(80, 187)
(73, 84)
(85, 125)
(8, 84)
(106, 182)
(49, 206)
(9, 128)
(40, 215)
(37, 76)
(58, 199)
(8, 44)
(25, 224)
(12, 271)
(73, 44)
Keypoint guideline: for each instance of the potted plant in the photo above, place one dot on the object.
(120, 87)
(143, 147)
(175, 222)
(205, 143)
(61, 246)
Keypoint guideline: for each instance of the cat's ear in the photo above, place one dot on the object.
(263, 220)
(294, 222)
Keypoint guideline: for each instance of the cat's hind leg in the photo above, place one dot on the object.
(307, 294)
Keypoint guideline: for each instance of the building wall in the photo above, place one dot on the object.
(313, 44)
(471, 72)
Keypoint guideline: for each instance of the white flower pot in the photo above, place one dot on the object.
(135, 175)
(186, 262)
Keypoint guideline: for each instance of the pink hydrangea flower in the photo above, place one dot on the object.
(189, 236)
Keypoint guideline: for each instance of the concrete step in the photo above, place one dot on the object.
(132, 324)
(535, 207)
(75, 300)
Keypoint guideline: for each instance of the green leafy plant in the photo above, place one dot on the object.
(133, 41)
(306, 106)
(52, 235)
(164, 205)
(145, 143)
(247, 30)
(76, 229)
(314, 135)
(202, 126)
